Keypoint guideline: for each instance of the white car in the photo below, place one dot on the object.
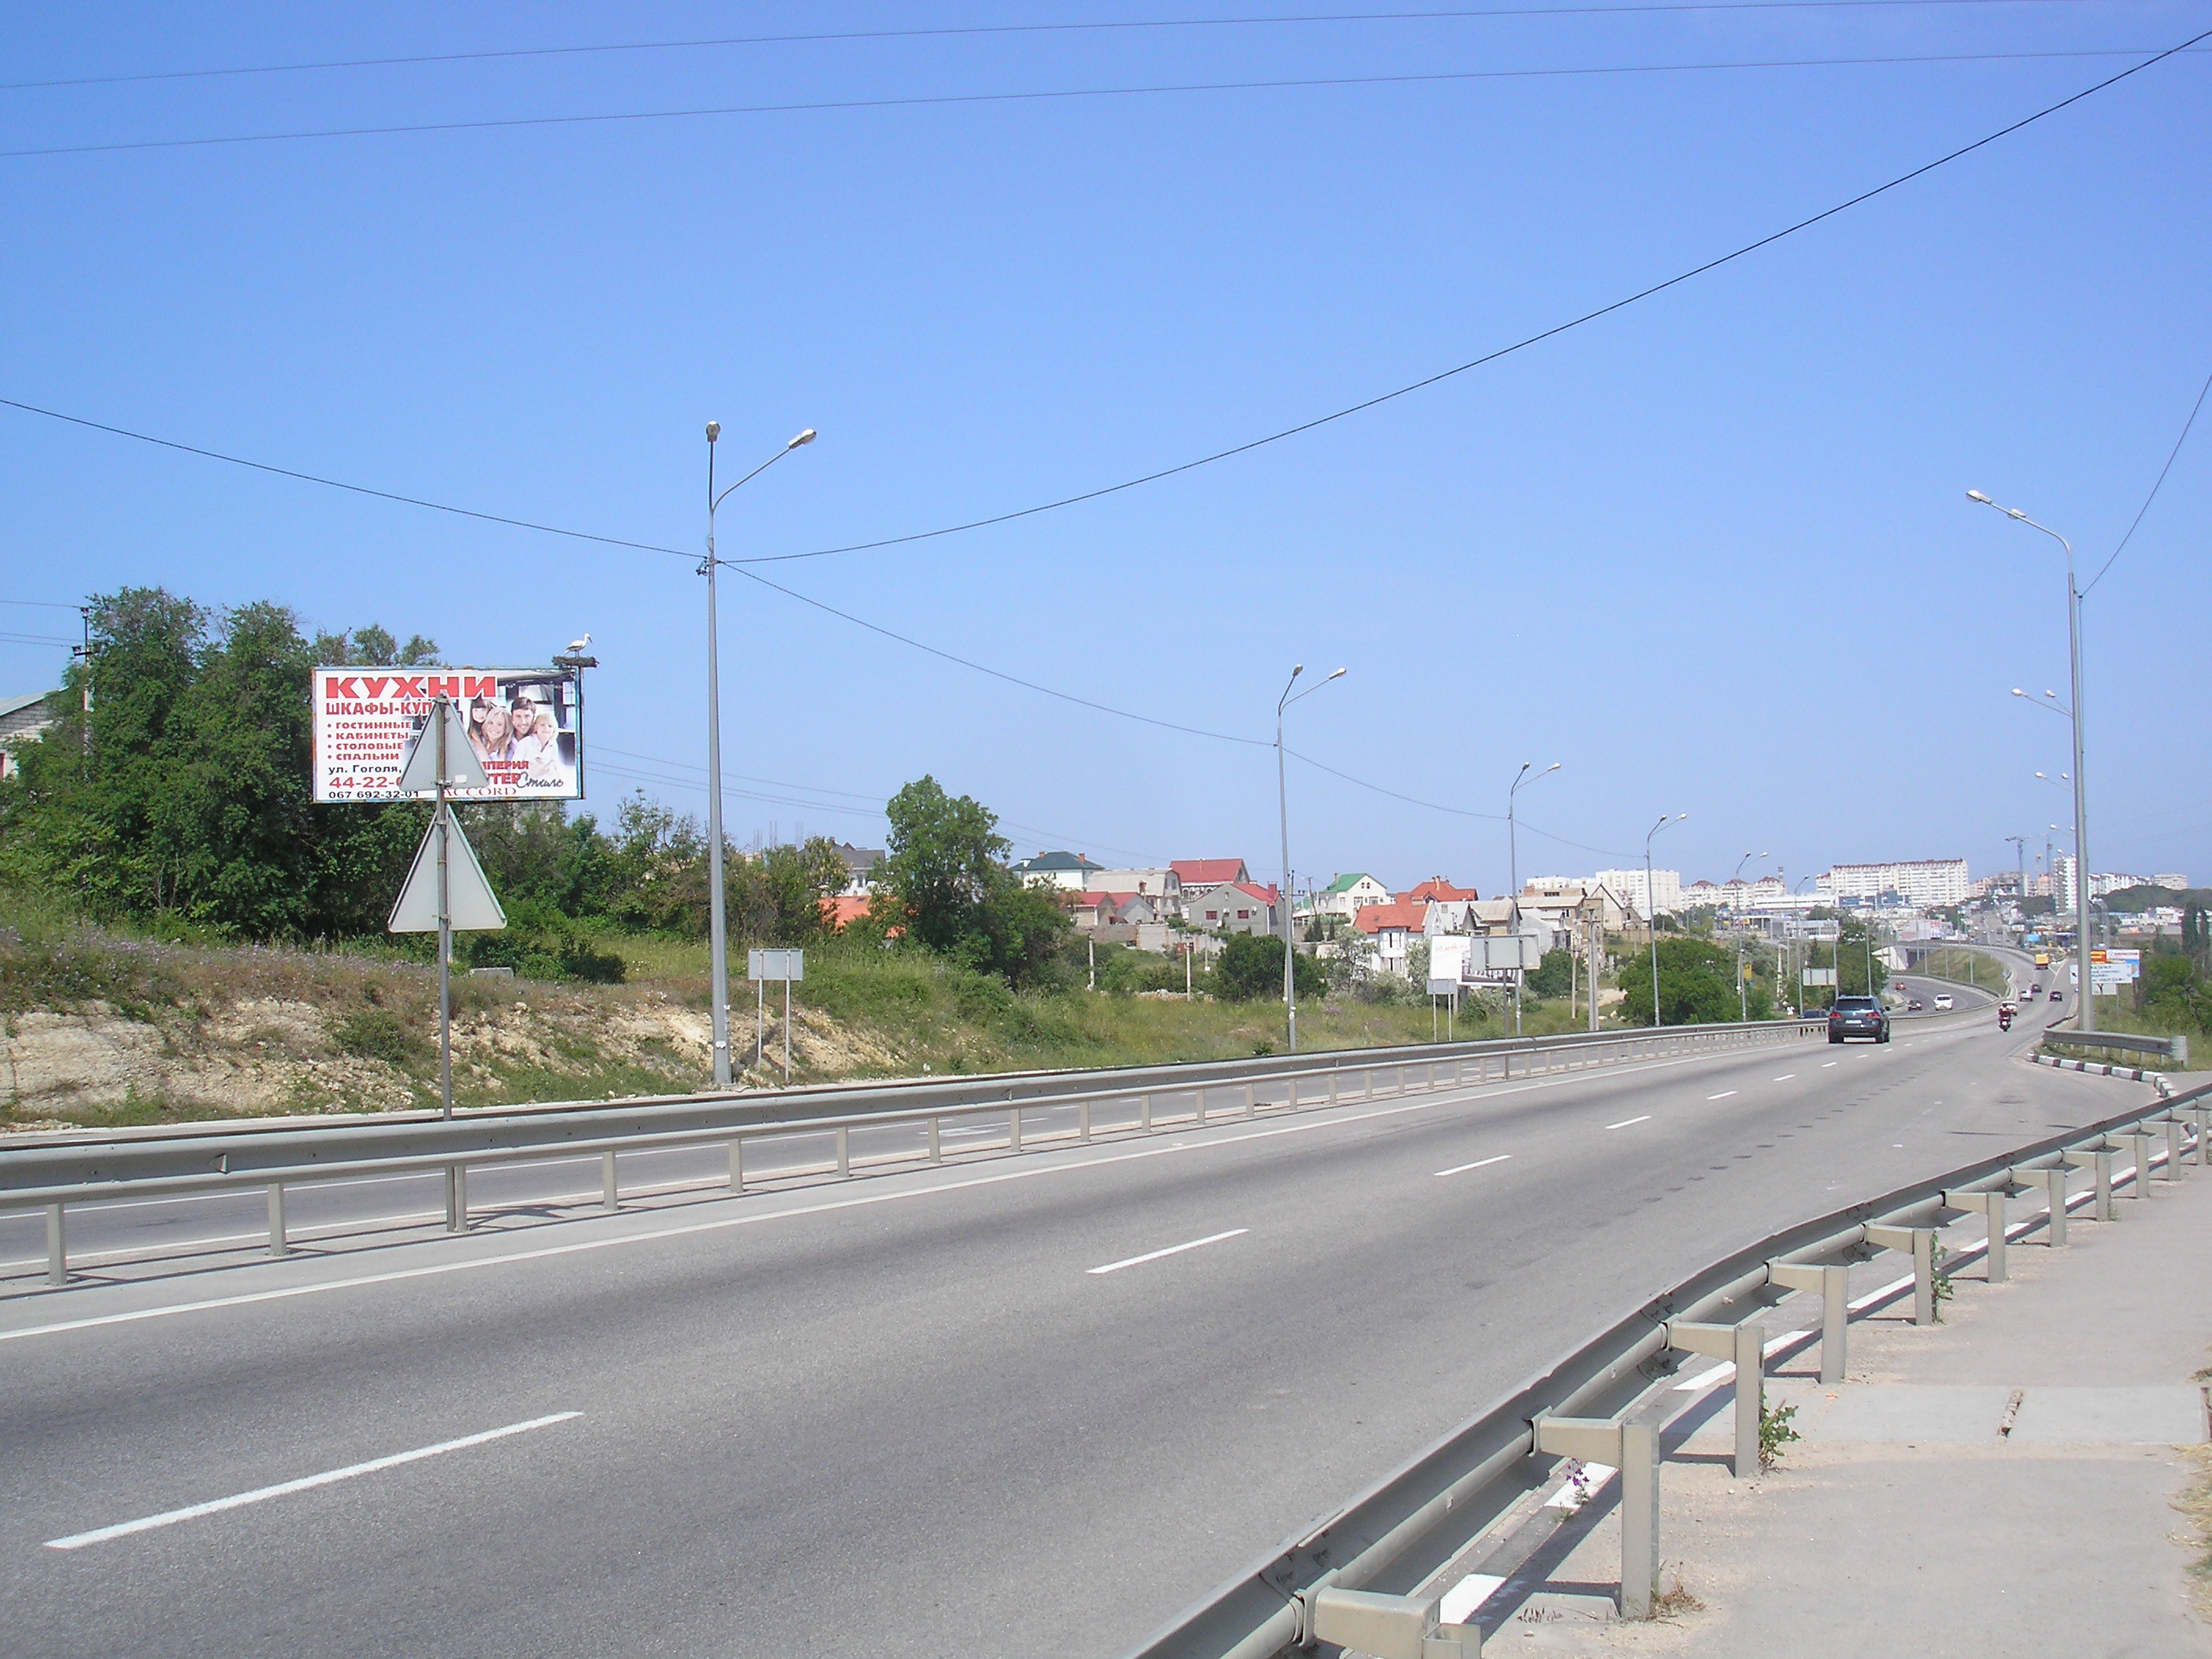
(1943, 1000)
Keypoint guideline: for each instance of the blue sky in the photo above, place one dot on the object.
(1713, 553)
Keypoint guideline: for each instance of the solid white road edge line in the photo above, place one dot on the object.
(1723, 1095)
(263, 1494)
(1480, 1163)
(1627, 1121)
(1172, 1249)
(1785, 1077)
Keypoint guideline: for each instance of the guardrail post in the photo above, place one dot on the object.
(2100, 1163)
(57, 1247)
(457, 1198)
(736, 1166)
(1013, 1130)
(2174, 1167)
(1144, 1113)
(1633, 1449)
(1401, 1080)
(845, 1150)
(1745, 1346)
(1251, 1099)
(936, 1150)
(1639, 1517)
(1835, 1285)
(2139, 1144)
(2053, 1182)
(1082, 1122)
(1921, 1242)
(1201, 1105)
(1331, 1085)
(1458, 1072)
(2204, 1119)
(1992, 1206)
(609, 1200)
(1385, 1626)
(278, 1245)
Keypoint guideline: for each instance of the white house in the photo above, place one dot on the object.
(1069, 871)
(1350, 893)
(1162, 886)
(23, 719)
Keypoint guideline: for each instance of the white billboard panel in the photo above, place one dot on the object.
(524, 728)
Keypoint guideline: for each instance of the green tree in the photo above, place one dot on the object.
(1697, 985)
(1250, 969)
(1555, 976)
(945, 884)
(944, 857)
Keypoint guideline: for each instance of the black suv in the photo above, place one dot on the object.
(1858, 1016)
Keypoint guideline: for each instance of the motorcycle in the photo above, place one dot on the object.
(2004, 1019)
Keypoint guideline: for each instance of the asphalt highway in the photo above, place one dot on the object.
(1023, 1406)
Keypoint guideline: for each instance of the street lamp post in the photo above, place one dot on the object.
(1513, 869)
(2083, 1020)
(1283, 822)
(717, 925)
(1743, 996)
(1651, 908)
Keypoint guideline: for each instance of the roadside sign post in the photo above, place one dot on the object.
(446, 888)
(761, 966)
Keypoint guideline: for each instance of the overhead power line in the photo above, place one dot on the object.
(1521, 345)
(2194, 409)
(830, 106)
(1165, 472)
(1123, 25)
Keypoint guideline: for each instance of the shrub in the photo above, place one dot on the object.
(380, 1034)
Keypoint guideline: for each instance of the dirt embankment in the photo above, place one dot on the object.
(99, 1031)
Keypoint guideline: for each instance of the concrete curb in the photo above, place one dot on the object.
(2101, 1068)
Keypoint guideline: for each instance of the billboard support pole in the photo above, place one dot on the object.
(441, 816)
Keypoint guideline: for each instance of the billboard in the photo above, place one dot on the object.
(524, 724)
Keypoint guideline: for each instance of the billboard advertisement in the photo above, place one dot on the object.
(524, 724)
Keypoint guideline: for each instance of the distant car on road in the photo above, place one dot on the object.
(1853, 1017)
(1943, 1000)
(2036, 989)
(2057, 995)
(1913, 1007)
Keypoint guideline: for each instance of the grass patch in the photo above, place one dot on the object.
(380, 1034)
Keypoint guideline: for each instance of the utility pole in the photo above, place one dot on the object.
(1651, 909)
(1283, 816)
(1513, 874)
(717, 927)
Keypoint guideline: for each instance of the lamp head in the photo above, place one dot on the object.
(714, 430)
(1339, 675)
(805, 437)
(2017, 692)
(1297, 669)
(1977, 496)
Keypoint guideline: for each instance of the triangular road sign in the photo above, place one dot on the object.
(474, 907)
(463, 769)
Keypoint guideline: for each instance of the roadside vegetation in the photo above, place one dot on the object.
(185, 933)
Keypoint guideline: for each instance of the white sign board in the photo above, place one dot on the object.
(524, 726)
(775, 964)
(1448, 963)
(1820, 976)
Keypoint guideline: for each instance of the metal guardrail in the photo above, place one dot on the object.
(2175, 1048)
(1396, 1534)
(53, 1174)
